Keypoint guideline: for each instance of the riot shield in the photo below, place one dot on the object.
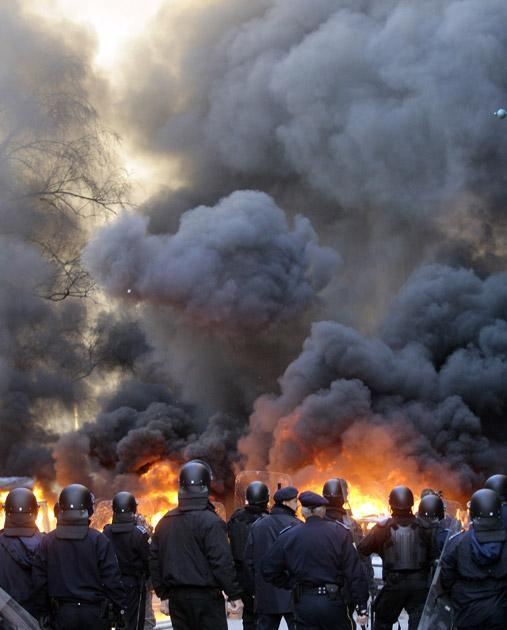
(438, 611)
(273, 480)
(13, 616)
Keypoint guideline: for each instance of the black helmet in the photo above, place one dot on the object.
(336, 491)
(257, 493)
(485, 504)
(195, 479)
(124, 502)
(75, 504)
(21, 510)
(498, 483)
(21, 501)
(431, 507)
(401, 498)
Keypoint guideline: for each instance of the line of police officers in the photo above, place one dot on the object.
(269, 564)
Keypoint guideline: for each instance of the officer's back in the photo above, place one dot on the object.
(319, 561)
(19, 541)
(190, 558)
(131, 545)
(431, 511)
(474, 567)
(76, 573)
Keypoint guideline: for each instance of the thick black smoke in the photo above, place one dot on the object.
(432, 380)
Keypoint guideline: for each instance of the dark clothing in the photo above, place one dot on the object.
(475, 574)
(69, 616)
(248, 616)
(317, 612)
(272, 622)
(16, 558)
(190, 549)
(504, 514)
(407, 548)
(81, 570)
(132, 548)
(197, 609)
(390, 602)
(263, 533)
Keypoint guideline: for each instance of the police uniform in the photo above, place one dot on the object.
(474, 571)
(131, 546)
(190, 558)
(19, 541)
(319, 563)
(76, 573)
(272, 604)
(238, 528)
(406, 547)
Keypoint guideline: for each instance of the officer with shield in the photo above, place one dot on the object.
(238, 527)
(406, 547)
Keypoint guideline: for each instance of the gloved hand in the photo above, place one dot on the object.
(121, 620)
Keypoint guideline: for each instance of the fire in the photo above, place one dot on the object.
(45, 519)
(159, 491)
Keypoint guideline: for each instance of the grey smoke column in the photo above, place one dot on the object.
(436, 373)
(237, 265)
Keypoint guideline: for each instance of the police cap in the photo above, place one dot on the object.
(312, 500)
(285, 494)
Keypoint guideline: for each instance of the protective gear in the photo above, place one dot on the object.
(195, 479)
(257, 493)
(21, 510)
(124, 502)
(336, 491)
(431, 507)
(401, 498)
(498, 483)
(486, 510)
(407, 551)
(75, 503)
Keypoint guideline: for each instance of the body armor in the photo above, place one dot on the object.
(405, 551)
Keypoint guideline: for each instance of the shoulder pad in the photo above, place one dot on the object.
(142, 529)
(343, 525)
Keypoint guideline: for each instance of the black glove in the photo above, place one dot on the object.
(121, 620)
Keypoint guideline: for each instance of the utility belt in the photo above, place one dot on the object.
(106, 607)
(334, 591)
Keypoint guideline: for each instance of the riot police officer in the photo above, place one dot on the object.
(271, 603)
(19, 541)
(336, 492)
(498, 483)
(474, 567)
(190, 558)
(75, 570)
(431, 511)
(131, 545)
(257, 498)
(319, 562)
(405, 545)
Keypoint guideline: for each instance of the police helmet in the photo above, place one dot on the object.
(336, 491)
(195, 478)
(75, 502)
(257, 493)
(21, 501)
(124, 502)
(431, 507)
(485, 506)
(401, 498)
(498, 483)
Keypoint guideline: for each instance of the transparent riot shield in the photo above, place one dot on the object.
(273, 480)
(13, 616)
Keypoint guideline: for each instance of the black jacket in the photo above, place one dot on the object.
(264, 532)
(80, 570)
(476, 575)
(190, 548)
(16, 558)
(319, 552)
(238, 529)
(132, 548)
